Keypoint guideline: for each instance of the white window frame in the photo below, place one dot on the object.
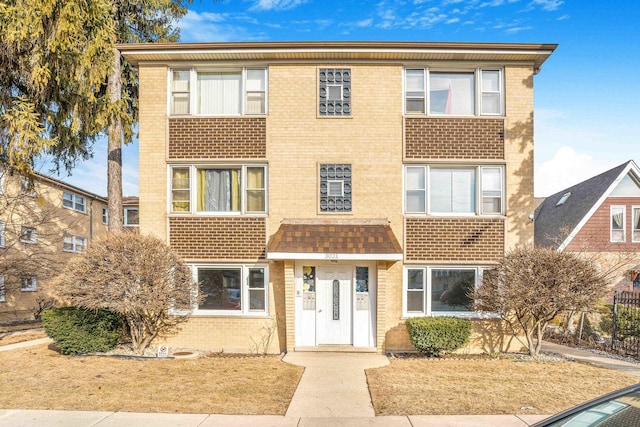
(78, 243)
(193, 90)
(245, 290)
(105, 215)
(28, 284)
(2, 288)
(125, 217)
(193, 189)
(478, 193)
(478, 90)
(33, 238)
(427, 270)
(624, 223)
(75, 200)
(2, 234)
(635, 218)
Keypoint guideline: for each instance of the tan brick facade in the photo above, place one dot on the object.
(376, 139)
(217, 138)
(454, 240)
(218, 238)
(453, 138)
(43, 211)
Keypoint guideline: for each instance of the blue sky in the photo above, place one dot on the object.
(587, 96)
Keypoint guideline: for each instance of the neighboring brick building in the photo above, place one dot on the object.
(323, 192)
(598, 216)
(41, 226)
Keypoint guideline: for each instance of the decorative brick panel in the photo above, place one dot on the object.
(218, 238)
(453, 239)
(217, 138)
(454, 138)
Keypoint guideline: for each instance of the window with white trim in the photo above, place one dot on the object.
(105, 215)
(218, 92)
(29, 284)
(468, 92)
(2, 228)
(436, 290)
(27, 187)
(28, 235)
(131, 217)
(2, 297)
(74, 201)
(240, 189)
(232, 289)
(618, 226)
(74, 243)
(635, 237)
(453, 190)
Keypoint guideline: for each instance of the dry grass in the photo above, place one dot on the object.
(494, 386)
(21, 337)
(222, 385)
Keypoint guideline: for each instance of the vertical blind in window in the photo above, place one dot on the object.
(219, 92)
(452, 190)
(636, 224)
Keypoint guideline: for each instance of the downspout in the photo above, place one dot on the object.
(91, 219)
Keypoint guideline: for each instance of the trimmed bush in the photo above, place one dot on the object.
(435, 336)
(78, 330)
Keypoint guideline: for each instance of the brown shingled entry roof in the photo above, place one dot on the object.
(335, 240)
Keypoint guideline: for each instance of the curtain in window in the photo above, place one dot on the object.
(452, 93)
(219, 92)
(218, 190)
(180, 193)
(617, 221)
(255, 189)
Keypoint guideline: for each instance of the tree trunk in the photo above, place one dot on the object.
(114, 149)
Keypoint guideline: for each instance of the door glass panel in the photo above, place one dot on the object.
(336, 299)
(362, 279)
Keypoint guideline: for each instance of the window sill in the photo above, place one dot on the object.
(229, 316)
(219, 116)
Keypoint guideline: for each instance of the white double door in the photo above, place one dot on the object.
(334, 313)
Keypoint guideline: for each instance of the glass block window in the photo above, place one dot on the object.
(335, 92)
(362, 279)
(335, 188)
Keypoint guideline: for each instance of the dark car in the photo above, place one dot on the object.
(618, 409)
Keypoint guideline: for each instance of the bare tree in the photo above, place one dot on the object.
(531, 286)
(33, 225)
(135, 275)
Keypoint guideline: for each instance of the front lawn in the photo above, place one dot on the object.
(40, 378)
(420, 386)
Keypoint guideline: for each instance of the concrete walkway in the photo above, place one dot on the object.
(24, 344)
(333, 384)
(597, 359)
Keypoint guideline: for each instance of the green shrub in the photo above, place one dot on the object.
(435, 336)
(77, 330)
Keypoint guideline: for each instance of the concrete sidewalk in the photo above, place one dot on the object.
(30, 418)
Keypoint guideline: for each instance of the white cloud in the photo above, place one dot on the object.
(546, 5)
(277, 4)
(452, 21)
(215, 27)
(566, 168)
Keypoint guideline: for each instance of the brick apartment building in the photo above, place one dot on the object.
(324, 192)
(42, 225)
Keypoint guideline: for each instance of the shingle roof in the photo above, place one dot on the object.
(368, 239)
(552, 223)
